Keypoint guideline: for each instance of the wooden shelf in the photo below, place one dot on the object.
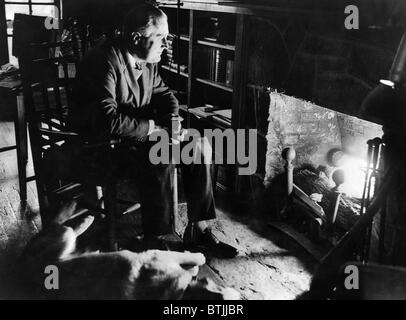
(216, 45)
(218, 85)
(173, 70)
(184, 38)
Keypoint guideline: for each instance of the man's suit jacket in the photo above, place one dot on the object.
(114, 99)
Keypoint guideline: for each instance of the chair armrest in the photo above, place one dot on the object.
(58, 133)
(112, 142)
(108, 143)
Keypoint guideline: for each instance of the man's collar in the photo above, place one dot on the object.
(133, 62)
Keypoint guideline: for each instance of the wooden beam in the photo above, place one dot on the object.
(250, 9)
(3, 34)
(240, 71)
(192, 41)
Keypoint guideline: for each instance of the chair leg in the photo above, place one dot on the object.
(215, 168)
(110, 203)
(175, 199)
(42, 189)
(22, 176)
(99, 194)
(22, 147)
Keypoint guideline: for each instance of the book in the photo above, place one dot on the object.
(212, 63)
(229, 72)
(220, 66)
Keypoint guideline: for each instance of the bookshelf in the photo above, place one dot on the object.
(200, 57)
(206, 60)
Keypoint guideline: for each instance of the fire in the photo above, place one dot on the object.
(355, 170)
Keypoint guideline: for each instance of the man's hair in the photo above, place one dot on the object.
(140, 18)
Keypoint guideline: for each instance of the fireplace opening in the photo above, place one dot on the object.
(332, 156)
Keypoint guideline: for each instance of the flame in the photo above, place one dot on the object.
(354, 170)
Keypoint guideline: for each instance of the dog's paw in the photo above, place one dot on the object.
(83, 225)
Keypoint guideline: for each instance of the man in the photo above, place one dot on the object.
(121, 95)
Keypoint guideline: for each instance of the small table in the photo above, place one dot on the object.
(10, 86)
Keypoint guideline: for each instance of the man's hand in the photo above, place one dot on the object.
(156, 129)
(177, 133)
(176, 122)
(180, 137)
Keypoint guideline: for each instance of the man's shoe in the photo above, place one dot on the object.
(207, 243)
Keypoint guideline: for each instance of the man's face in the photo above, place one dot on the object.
(150, 46)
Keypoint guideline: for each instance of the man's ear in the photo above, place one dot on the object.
(136, 36)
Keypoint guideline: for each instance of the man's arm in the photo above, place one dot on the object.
(163, 101)
(97, 82)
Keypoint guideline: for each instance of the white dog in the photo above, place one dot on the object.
(123, 274)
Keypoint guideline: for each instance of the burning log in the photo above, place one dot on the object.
(341, 209)
(335, 212)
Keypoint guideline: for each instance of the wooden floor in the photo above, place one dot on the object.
(269, 266)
